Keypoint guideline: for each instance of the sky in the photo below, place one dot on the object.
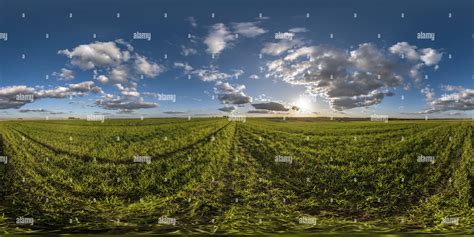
(257, 58)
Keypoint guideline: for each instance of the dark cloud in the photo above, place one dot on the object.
(272, 106)
(350, 79)
(33, 110)
(231, 94)
(126, 104)
(228, 109)
(460, 99)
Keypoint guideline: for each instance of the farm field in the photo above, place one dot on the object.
(212, 175)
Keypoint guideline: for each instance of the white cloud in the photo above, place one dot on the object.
(65, 74)
(428, 93)
(298, 30)
(254, 77)
(218, 39)
(128, 91)
(231, 94)
(126, 105)
(185, 66)
(281, 46)
(213, 74)
(119, 74)
(430, 56)
(248, 29)
(461, 99)
(192, 21)
(120, 64)
(149, 69)
(186, 51)
(98, 54)
(408, 51)
(348, 79)
(125, 43)
(102, 79)
(79, 89)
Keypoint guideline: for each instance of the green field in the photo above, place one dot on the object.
(218, 176)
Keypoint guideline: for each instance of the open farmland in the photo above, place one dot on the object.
(221, 176)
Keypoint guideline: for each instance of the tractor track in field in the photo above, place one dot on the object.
(86, 158)
(71, 191)
(228, 192)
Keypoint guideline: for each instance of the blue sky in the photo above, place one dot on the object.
(232, 62)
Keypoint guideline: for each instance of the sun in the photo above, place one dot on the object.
(304, 104)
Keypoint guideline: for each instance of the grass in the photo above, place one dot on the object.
(219, 176)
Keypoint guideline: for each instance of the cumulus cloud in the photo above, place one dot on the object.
(254, 77)
(98, 54)
(111, 62)
(428, 93)
(212, 74)
(460, 99)
(115, 60)
(64, 74)
(428, 56)
(277, 48)
(72, 90)
(128, 91)
(228, 109)
(185, 66)
(147, 68)
(298, 30)
(262, 112)
(221, 37)
(33, 110)
(218, 39)
(350, 79)
(186, 51)
(8, 96)
(102, 79)
(271, 106)
(11, 96)
(231, 94)
(174, 112)
(248, 29)
(119, 74)
(126, 104)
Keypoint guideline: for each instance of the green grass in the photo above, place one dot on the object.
(217, 176)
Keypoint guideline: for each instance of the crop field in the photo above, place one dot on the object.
(213, 175)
